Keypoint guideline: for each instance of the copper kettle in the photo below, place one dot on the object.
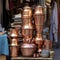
(27, 12)
(14, 32)
(27, 27)
(14, 41)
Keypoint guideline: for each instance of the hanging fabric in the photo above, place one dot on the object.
(54, 24)
(7, 5)
(11, 4)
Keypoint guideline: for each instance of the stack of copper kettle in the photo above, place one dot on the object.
(27, 27)
(14, 42)
(27, 47)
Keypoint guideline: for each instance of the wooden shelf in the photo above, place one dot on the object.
(31, 58)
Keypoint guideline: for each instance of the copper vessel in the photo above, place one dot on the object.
(13, 32)
(39, 20)
(27, 49)
(27, 31)
(28, 34)
(47, 44)
(14, 51)
(27, 27)
(14, 41)
(27, 12)
(39, 40)
(27, 21)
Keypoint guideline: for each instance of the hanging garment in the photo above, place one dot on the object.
(51, 28)
(59, 18)
(4, 47)
(7, 5)
(54, 24)
(11, 4)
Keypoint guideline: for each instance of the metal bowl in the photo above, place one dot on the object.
(27, 49)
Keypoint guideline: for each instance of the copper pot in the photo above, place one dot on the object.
(27, 12)
(47, 44)
(39, 40)
(27, 49)
(14, 32)
(14, 51)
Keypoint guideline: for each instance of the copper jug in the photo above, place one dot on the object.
(39, 18)
(14, 32)
(27, 32)
(27, 27)
(14, 51)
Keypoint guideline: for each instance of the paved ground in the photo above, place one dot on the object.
(57, 52)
